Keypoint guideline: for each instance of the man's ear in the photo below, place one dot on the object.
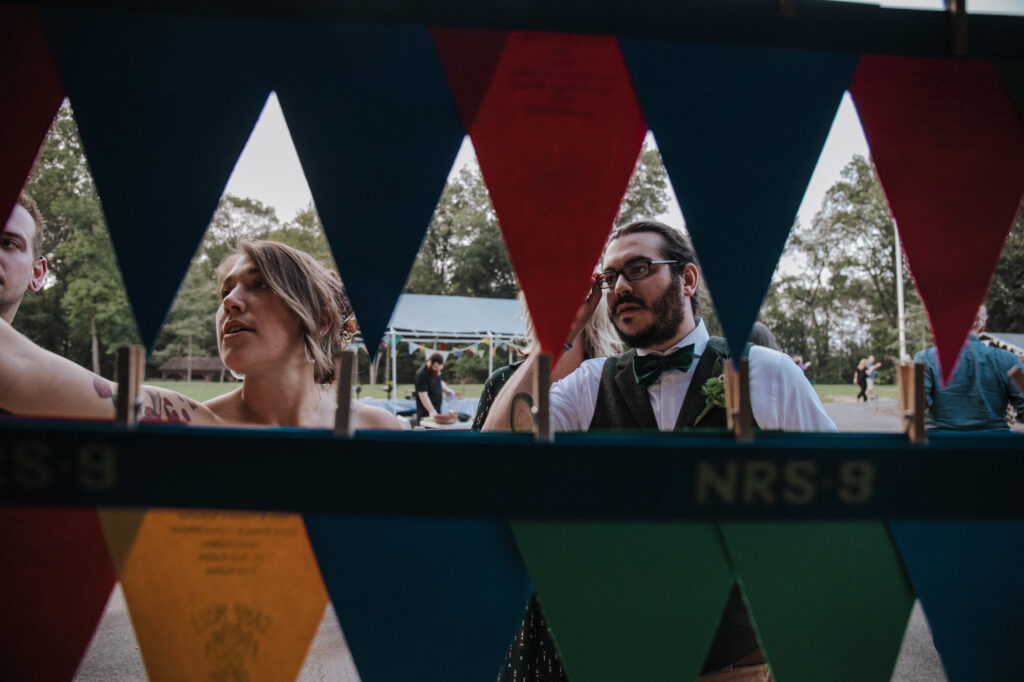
(691, 278)
(38, 274)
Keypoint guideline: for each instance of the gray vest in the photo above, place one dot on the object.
(624, 404)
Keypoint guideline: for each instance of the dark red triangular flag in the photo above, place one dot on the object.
(33, 91)
(469, 58)
(55, 580)
(557, 135)
(949, 150)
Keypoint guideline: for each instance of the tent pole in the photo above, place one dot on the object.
(394, 365)
(490, 357)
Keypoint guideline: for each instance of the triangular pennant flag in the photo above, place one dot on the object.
(469, 57)
(967, 575)
(628, 601)
(222, 595)
(557, 135)
(412, 347)
(740, 130)
(120, 528)
(55, 579)
(164, 106)
(29, 81)
(948, 146)
(823, 596)
(376, 130)
(444, 354)
(422, 599)
(1012, 75)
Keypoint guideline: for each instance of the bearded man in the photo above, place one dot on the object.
(650, 278)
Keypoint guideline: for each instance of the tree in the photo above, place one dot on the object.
(463, 253)
(1005, 300)
(840, 304)
(647, 194)
(83, 313)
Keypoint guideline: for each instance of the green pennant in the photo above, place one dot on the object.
(628, 600)
(828, 600)
(1012, 76)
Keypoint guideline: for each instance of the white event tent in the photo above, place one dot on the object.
(429, 319)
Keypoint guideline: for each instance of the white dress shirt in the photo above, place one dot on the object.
(780, 395)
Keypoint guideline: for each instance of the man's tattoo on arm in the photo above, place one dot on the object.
(161, 408)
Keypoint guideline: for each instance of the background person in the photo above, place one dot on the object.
(872, 366)
(979, 390)
(282, 319)
(430, 388)
(860, 378)
(22, 265)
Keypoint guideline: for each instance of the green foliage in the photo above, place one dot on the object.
(841, 305)
(647, 194)
(462, 252)
(84, 299)
(1005, 299)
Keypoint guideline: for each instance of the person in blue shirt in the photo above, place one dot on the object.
(978, 391)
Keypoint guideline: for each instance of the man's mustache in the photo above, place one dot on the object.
(628, 299)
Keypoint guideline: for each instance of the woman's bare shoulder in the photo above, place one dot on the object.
(370, 417)
(164, 405)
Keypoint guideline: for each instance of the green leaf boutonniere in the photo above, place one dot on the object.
(714, 392)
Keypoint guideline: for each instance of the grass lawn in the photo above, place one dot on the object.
(197, 390)
(204, 390)
(831, 393)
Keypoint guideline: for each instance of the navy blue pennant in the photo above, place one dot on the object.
(740, 130)
(967, 575)
(377, 131)
(422, 599)
(164, 106)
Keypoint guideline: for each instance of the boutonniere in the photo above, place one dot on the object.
(714, 392)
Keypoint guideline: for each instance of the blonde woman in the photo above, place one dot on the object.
(282, 319)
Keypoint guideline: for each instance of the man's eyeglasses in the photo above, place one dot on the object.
(632, 271)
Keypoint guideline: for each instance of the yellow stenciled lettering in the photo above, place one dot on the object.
(31, 465)
(708, 481)
(758, 478)
(97, 467)
(799, 477)
(856, 481)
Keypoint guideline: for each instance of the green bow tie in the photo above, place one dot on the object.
(647, 368)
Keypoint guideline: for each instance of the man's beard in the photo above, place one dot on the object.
(667, 311)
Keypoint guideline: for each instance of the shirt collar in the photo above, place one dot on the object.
(698, 337)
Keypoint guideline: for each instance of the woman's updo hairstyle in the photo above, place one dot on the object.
(311, 291)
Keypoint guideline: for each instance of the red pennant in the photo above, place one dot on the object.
(949, 150)
(29, 81)
(55, 580)
(557, 135)
(469, 58)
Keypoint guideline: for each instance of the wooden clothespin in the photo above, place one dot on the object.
(345, 366)
(1017, 377)
(541, 405)
(787, 8)
(957, 10)
(910, 380)
(129, 367)
(739, 415)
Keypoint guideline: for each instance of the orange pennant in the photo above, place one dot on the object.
(222, 595)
